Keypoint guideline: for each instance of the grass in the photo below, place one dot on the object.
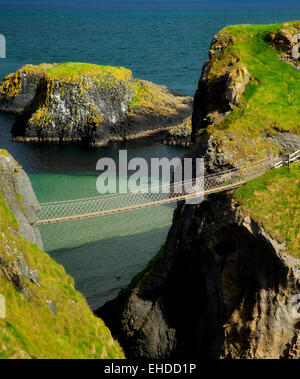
(273, 200)
(3, 152)
(271, 101)
(74, 70)
(30, 329)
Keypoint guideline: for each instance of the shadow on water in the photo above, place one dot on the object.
(102, 268)
(104, 253)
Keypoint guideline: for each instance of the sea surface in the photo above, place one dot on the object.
(166, 43)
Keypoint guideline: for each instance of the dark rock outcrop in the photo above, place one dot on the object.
(19, 89)
(214, 99)
(180, 135)
(222, 289)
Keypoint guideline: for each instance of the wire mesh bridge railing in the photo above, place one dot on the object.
(191, 189)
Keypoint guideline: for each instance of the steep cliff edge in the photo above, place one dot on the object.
(20, 197)
(43, 315)
(71, 102)
(247, 102)
(224, 283)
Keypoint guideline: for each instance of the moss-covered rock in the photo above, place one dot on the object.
(180, 135)
(247, 102)
(94, 104)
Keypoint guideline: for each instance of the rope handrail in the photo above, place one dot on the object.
(104, 197)
(150, 196)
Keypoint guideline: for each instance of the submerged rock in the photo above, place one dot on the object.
(87, 103)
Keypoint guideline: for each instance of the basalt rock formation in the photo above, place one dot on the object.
(226, 283)
(76, 102)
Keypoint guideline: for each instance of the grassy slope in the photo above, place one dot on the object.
(73, 70)
(30, 329)
(269, 105)
(271, 100)
(273, 200)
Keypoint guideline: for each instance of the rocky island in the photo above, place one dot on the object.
(92, 104)
(223, 284)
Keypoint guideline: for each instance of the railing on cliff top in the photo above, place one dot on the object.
(109, 204)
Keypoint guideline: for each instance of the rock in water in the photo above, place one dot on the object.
(93, 104)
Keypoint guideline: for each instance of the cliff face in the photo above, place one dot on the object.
(93, 104)
(43, 315)
(20, 197)
(223, 286)
(246, 102)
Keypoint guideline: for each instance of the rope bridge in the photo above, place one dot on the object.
(191, 189)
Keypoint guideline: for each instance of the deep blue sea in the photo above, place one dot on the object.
(166, 46)
(166, 43)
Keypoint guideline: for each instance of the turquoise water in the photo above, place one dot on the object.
(102, 254)
(166, 44)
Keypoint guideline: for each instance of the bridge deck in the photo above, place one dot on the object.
(104, 205)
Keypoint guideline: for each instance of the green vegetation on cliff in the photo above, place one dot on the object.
(270, 103)
(73, 71)
(273, 200)
(30, 329)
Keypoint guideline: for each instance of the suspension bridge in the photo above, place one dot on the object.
(164, 194)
